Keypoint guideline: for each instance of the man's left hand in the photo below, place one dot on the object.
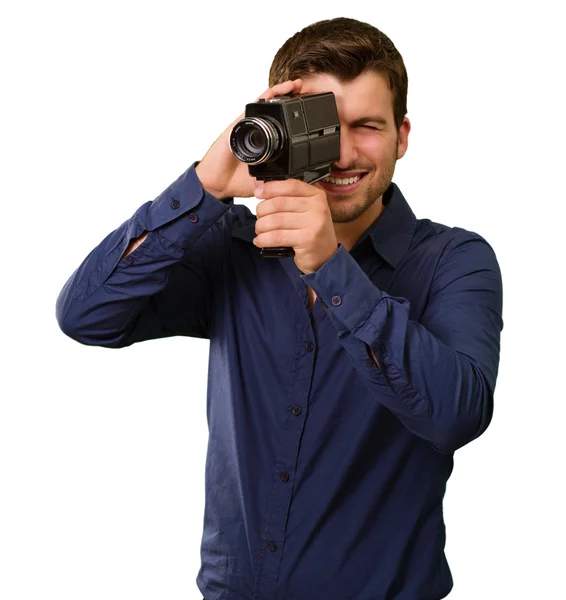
(296, 214)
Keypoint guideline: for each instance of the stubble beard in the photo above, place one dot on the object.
(347, 210)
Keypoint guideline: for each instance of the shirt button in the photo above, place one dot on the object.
(309, 346)
(175, 203)
(284, 476)
(336, 300)
(193, 218)
(297, 410)
(272, 546)
(129, 259)
(369, 362)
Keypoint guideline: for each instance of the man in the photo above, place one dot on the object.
(341, 379)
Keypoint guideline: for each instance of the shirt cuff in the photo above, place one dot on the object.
(345, 291)
(184, 211)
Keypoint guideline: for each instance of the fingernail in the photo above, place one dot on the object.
(258, 192)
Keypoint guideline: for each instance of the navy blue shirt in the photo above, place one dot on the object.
(325, 474)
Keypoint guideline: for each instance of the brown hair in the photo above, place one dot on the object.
(344, 48)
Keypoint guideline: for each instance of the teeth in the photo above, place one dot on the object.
(338, 181)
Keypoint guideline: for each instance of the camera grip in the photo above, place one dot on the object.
(278, 251)
(310, 176)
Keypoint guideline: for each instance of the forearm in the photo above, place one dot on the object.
(102, 301)
(437, 392)
(436, 375)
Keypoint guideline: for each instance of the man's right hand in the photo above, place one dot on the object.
(220, 172)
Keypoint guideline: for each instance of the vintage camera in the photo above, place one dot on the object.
(291, 136)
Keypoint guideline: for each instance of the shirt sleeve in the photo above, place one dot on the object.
(160, 289)
(436, 375)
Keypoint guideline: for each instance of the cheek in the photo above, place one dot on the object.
(375, 149)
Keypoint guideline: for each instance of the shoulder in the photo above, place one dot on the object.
(440, 240)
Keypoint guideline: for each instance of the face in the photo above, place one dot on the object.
(369, 146)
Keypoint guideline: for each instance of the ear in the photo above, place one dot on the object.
(403, 138)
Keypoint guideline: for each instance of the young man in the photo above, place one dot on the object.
(342, 379)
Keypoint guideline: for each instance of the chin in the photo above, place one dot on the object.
(344, 211)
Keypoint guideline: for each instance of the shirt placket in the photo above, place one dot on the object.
(273, 539)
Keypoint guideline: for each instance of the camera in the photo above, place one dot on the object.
(289, 136)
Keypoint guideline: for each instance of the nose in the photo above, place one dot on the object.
(348, 151)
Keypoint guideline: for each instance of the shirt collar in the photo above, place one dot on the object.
(391, 232)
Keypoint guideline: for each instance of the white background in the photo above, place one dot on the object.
(104, 104)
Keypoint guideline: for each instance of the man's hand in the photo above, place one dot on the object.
(296, 214)
(220, 172)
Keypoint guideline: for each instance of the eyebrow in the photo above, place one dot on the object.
(364, 120)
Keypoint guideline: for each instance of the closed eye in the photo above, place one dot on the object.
(369, 127)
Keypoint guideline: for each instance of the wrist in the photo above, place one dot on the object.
(205, 184)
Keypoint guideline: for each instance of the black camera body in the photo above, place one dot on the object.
(292, 136)
(288, 137)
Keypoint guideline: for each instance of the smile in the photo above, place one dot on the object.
(336, 185)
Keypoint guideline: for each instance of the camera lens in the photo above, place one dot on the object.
(255, 140)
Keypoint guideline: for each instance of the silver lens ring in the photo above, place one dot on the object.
(268, 129)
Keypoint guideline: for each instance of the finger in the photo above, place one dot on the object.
(267, 95)
(280, 220)
(280, 237)
(287, 87)
(285, 187)
(281, 204)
